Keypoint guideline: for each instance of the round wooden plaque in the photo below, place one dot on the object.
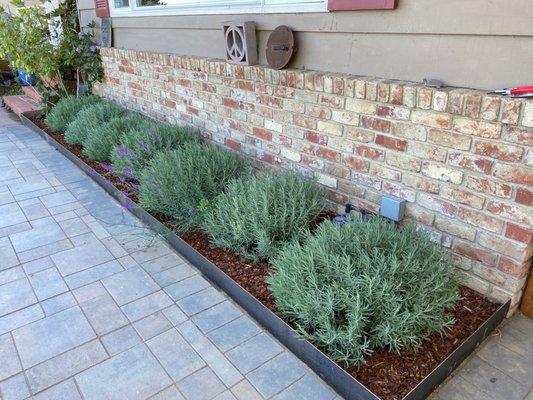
(280, 47)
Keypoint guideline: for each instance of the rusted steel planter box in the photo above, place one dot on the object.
(344, 384)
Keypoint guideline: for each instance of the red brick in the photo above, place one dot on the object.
(375, 124)
(318, 112)
(231, 103)
(396, 94)
(315, 137)
(480, 219)
(466, 161)
(233, 144)
(477, 253)
(269, 101)
(472, 105)
(356, 163)
(518, 135)
(512, 267)
(337, 197)
(436, 204)
(262, 133)
(328, 154)
(331, 101)
(369, 152)
(524, 196)
(484, 129)
(167, 103)
(518, 233)
(497, 150)
(510, 211)
(489, 186)
(391, 143)
(393, 112)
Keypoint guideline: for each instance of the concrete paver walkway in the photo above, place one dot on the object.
(95, 306)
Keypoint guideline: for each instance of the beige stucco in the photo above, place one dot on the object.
(469, 43)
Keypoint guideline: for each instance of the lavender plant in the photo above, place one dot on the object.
(141, 145)
(91, 118)
(360, 286)
(255, 217)
(182, 183)
(66, 110)
(100, 141)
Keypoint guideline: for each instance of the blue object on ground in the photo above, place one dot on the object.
(26, 79)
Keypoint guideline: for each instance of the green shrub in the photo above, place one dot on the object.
(65, 111)
(257, 216)
(90, 118)
(363, 286)
(139, 146)
(102, 140)
(181, 183)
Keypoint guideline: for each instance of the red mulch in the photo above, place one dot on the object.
(389, 375)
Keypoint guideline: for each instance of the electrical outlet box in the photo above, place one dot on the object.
(392, 208)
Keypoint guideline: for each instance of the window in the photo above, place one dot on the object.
(189, 7)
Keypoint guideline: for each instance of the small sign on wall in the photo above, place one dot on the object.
(240, 42)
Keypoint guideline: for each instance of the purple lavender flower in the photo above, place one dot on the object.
(144, 145)
(122, 179)
(78, 50)
(127, 172)
(135, 186)
(107, 167)
(190, 210)
(93, 49)
(121, 151)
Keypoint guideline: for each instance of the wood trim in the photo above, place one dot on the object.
(527, 300)
(351, 5)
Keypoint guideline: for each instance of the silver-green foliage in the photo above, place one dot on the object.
(65, 111)
(139, 146)
(181, 183)
(257, 216)
(102, 140)
(92, 117)
(363, 286)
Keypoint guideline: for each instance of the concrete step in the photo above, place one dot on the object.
(32, 93)
(22, 104)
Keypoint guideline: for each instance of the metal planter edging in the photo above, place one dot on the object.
(327, 369)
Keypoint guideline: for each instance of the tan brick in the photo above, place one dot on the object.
(361, 106)
(518, 135)
(424, 97)
(394, 112)
(290, 154)
(436, 204)
(337, 170)
(273, 126)
(440, 100)
(408, 131)
(366, 180)
(341, 143)
(472, 105)
(385, 173)
(419, 214)
(345, 117)
(383, 92)
(399, 191)
(510, 111)
(463, 197)
(431, 118)
(409, 96)
(427, 151)
(371, 90)
(474, 282)
(331, 128)
(456, 101)
(403, 161)
(326, 180)
(477, 128)
(421, 183)
(527, 117)
(500, 245)
(360, 89)
(359, 135)
(490, 108)
(318, 111)
(455, 228)
(449, 139)
(357, 163)
(350, 188)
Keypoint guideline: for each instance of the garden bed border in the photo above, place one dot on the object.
(343, 383)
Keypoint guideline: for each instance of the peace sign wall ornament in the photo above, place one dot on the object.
(240, 42)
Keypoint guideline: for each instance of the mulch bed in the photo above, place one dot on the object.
(389, 375)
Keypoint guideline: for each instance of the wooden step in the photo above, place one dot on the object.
(22, 104)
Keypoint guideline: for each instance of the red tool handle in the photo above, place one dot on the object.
(521, 90)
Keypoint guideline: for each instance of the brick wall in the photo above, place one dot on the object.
(462, 159)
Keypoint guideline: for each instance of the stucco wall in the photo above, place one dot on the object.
(475, 43)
